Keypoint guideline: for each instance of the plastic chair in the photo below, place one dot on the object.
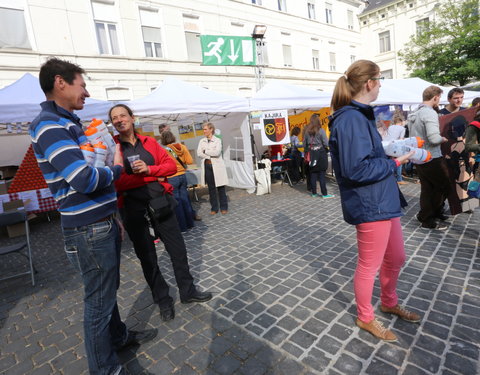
(15, 217)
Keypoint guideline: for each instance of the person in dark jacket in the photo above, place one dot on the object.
(316, 144)
(371, 199)
(140, 182)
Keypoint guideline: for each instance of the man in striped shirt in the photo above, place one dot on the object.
(87, 204)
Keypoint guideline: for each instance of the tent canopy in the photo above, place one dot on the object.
(20, 102)
(409, 91)
(281, 95)
(174, 96)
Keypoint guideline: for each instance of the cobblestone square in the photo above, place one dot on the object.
(281, 269)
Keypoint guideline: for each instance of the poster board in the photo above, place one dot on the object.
(274, 128)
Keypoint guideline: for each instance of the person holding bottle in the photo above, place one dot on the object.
(371, 198)
(141, 181)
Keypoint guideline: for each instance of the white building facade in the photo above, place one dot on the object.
(128, 46)
(387, 25)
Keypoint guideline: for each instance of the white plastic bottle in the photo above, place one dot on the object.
(107, 138)
(415, 142)
(100, 154)
(88, 153)
(396, 149)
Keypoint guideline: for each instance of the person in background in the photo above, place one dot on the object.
(472, 135)
(296, 155)
(140, 182)
(455, 100)
(433, 175)
(371, 199)
(163, 128)
(395, 132)
(476, 102)
(316, 144)
(88, 207)
(179, 153)
(214, 172)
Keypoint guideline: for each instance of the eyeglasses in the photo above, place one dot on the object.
(377, 78)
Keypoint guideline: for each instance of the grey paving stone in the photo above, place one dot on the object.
(360, 348)
(424, 360)
(329, 344)
(464, 348)
(348, 365)
(226, 365)
(275, 335)
(377, 367)
(460, 364)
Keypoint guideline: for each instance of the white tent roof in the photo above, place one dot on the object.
(282, 95)
(409, 91)
(176, 96)
(20, 102)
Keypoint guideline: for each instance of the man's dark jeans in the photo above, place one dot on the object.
(94, 251)
(435, 187)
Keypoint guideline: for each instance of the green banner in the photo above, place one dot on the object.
(228, 50)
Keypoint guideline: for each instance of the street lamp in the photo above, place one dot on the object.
(258, 34)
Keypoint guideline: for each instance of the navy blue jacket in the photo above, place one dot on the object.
(84, 194)
(365, 175)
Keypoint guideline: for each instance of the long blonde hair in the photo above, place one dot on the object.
(351, 83)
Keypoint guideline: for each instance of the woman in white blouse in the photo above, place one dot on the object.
(214, 172)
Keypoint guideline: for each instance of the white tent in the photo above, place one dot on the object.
(180, 104)
(281, 95)
(20, 102)
(408, 91)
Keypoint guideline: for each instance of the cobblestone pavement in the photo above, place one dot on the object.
(281, 268)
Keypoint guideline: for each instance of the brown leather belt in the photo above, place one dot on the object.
(208, 161)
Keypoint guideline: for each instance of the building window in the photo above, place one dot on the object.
(350, 19)
(316, 59)
(118, 93)
(257, 2)
(328, 13)
(352, 59)
(192, 37)
(388, 74)
(13, 33)
(106, 28)
(152, 34)
(422, 25)
(287, 55)
(311, 11)
(194, 49)
(333, 62)
(384, 40)
(282, 5)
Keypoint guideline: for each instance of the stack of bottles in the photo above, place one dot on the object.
(100, 148)
(404, 146)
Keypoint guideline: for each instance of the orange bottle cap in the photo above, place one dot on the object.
(90, 131)
(87, 147)
(100, 145)
(420, 142)
(429, 156)
(95, 122)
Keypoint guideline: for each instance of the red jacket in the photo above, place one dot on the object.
(164, 166)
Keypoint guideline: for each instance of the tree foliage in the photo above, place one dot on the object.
(448, 51)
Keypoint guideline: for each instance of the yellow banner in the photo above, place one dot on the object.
(301, 120)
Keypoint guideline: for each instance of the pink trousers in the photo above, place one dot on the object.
(380, 247)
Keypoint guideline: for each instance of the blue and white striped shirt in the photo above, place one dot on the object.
(84, 194)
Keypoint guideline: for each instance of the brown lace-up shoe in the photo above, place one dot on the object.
(377, 329)
(402, 313)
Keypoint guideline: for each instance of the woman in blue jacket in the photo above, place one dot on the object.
(371, 199)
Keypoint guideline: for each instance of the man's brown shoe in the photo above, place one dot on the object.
(402, 313)
(213, 212)
(376, 328)
(224, 212)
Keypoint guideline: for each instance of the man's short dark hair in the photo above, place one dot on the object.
(53, 67)
(476, 101)
(455, 90)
